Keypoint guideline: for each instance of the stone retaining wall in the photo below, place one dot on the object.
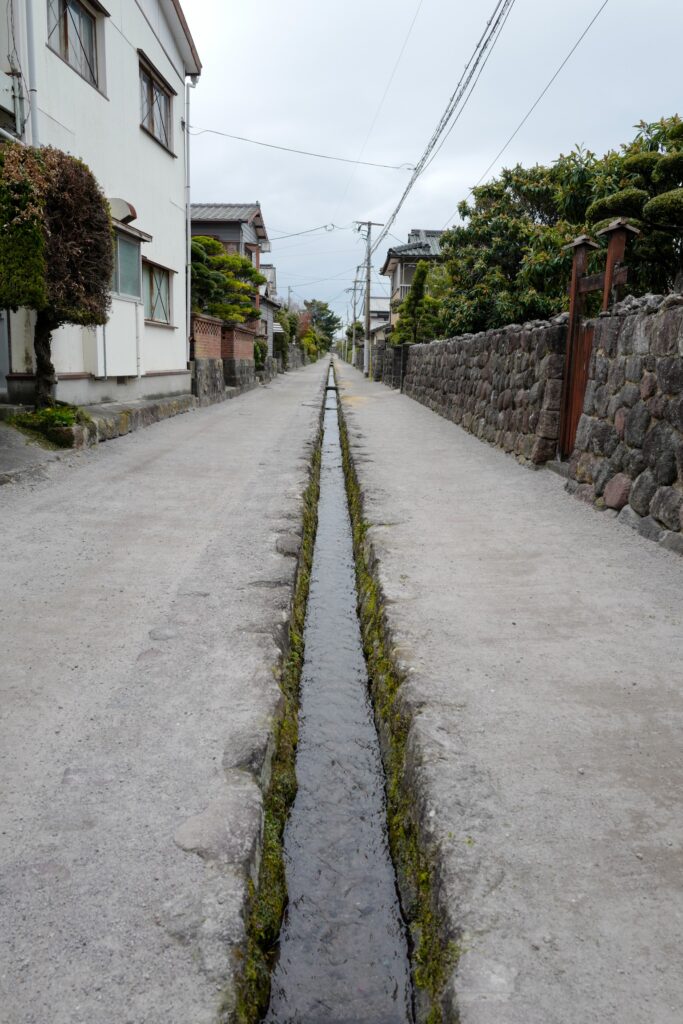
(629, 444)
(395, 360)
(295, 359)
(208, 381)
(504, 386)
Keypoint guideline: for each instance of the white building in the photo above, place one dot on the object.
(112, 89)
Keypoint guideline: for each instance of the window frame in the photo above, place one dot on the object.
(152, 85)
(150, 266)
(116, 272)
(64, 28)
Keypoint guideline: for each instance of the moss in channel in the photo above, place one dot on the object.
(433, 956)
(269, 898)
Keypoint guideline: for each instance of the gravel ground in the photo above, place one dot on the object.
(543, 643)
(143, 602)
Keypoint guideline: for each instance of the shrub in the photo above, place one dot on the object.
(628, 202)
(260, 353)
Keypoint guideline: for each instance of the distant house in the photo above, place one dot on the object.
(111, 89)
(380, 311)
(238, 226)
(401, 261)
(270, 305)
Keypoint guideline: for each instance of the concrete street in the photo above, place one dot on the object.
(543, 643)
(145, 586)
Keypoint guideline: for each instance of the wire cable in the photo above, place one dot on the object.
(459, 99)
(301, 152)
(534, 104)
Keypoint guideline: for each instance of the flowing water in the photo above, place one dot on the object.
(343, 955)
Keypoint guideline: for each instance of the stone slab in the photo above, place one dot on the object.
(541, 646)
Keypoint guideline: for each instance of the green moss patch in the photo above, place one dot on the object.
(433, 956)
(56, 423)
(268, 899)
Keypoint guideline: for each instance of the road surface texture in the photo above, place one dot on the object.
(544, 643)
(145, 586)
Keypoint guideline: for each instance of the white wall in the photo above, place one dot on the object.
(102, 127)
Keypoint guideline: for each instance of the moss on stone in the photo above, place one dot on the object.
(433, 956)
(268, 899)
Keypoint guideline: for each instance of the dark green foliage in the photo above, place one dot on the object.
(359, 331)
(419, 313)
(324, 322)
(55, 247)
(506, 264)
(54, 423)
(260, 353)
(223, 284)
(666, 209)
(22, 238)
(628, 202)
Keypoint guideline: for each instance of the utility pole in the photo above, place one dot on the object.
(368, 225)
(289, 297)
(355, 318)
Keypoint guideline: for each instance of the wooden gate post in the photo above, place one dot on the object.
(581, 246)
(617, 234)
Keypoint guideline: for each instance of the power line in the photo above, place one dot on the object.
(459, 99)
(535, 103)
(301, 152)
(472, 88)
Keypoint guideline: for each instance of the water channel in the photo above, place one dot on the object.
(343, 955)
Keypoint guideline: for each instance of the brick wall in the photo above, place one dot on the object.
(504, 386)
(206, 337)
(237, 342)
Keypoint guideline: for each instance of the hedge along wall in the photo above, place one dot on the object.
(504, 385)
(629, 444)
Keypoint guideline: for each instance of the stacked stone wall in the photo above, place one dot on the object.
(629, 444)
(208, 383)
(504, 385)
(395, 360)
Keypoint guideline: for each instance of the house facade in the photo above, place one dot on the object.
(269, 306)
(113, 90)
(239, 227)
(401, 261)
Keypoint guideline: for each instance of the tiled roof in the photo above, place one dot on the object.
(240, 212)
(422, 244)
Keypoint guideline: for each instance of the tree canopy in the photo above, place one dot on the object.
(55, 247)
(223, 284)
(505, 262)
(419, 313)
(323, 321)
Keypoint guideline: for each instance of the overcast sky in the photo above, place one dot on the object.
(311, 75)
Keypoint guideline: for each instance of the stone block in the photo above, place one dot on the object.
(648, 385)
(620, 421)
(629, 517)
(672, 542)
(659, 452)
(617, 491)
(543, 450)
(637, 422)
(670, 375)
(666, 506)
(548, 424)
(642, 493)
(552, 395)
(650, 529)
(668, 329)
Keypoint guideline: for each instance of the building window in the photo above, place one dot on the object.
(126, 275)
(155, 107)
(72, 33)
(156, 292)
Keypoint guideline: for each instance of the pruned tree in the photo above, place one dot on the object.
(56, 251)
(223, 284)
(418, 314)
